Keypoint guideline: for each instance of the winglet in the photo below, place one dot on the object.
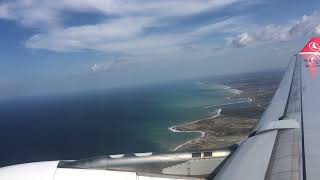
(312, 47)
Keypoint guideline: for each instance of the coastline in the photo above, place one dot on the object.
(173, 129)
(227, 127)
(216, 132)
(191, 127)
(251, 96)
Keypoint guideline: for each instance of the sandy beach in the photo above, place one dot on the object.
(175, 130)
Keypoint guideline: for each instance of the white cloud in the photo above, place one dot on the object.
(122, 33)
(108, 65)
(241, 40)
(317, 30)
(122, 36)
(101, 67)
(146, 7)
(89, 37)
(125, 35)
(308, 25)
(32, 13)
(4, 11)
(123, 30)
(229, 25)
(47, 13)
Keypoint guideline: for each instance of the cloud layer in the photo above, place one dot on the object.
(308, 25)
(124, 30)
(146, 28)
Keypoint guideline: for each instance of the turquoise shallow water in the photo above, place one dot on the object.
(185, 103)
(104, 122)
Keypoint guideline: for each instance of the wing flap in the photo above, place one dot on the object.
(251, 160)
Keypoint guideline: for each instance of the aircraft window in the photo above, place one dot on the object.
(196, 154)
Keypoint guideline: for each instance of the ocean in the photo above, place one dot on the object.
(82, 125)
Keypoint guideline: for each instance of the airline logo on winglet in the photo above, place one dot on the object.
(313, 46)
(311, 52)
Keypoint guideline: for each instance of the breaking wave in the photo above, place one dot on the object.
(174, 129)
(239, 101)
(208, 86)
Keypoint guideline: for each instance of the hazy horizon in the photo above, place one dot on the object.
(70, 46)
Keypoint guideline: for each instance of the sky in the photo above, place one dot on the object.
(67, 46)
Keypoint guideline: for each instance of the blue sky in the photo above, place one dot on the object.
(78, 45)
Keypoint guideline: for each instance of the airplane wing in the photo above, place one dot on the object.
(283, 146)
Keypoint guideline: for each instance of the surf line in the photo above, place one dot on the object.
(202, 133)
(173, 129)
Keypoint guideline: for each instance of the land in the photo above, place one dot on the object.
(235, 122)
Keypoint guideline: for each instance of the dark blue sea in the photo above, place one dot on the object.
(82, 125)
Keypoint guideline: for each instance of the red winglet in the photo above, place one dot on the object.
(313, 46)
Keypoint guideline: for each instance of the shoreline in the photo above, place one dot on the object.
(240, 101)
(218, 132)
(174, 130)
(236, 122)
(202, 133)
